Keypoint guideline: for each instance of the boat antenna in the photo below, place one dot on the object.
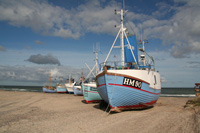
(50, 81)
(123, 5)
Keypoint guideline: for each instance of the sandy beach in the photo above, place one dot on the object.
(22, 112)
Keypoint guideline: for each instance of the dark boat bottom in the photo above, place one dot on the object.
(142, 107)
(104, 106)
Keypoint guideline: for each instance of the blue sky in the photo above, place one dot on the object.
(42, 36)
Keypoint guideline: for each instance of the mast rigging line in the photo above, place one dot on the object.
(129, 25)
(137, 42)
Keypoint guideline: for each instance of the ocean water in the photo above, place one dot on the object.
(22, 88)
(165, 92)
(178, 92)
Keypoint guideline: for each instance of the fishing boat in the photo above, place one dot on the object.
(90, 92)
(49, 89)
(69, 85)
(132, 82)
(78, 91)
(60, 88)
(90, 88)
(46, 89)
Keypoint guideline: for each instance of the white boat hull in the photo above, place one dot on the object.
(69, 87)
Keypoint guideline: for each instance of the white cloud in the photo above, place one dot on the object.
(163, 9)
(182, 30)
(15, 71)
(177, 25)
(53, 20)
(37, 75)
(38, 15)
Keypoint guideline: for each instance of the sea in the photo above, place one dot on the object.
(165, 92)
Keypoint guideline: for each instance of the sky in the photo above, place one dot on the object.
(59, 36)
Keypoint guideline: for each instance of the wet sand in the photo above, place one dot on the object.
(22, 112)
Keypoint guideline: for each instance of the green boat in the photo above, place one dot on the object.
(90, 92)
(90, 88)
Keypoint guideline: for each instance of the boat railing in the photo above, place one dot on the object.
(116, 65)
(93, 79)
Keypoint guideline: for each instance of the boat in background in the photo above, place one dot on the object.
(90, 92)
(69, 85)
(46, 89)
(60, 88)
(90, 88)
(131, 83)
(78, 91)
(49, 89)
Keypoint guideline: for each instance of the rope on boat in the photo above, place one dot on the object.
(107, 108)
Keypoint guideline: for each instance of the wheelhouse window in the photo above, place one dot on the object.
(155, 79)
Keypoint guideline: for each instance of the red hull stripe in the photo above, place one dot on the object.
(134, 88)
(92, 101)
(91, 91)
(135, 106)
(101, 85)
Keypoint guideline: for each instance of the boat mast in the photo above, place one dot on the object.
(143, 53)
(69, 79)
(122, 32)
(97, 59)
(50, 81)
(122, 37)
(97, 67)
(143, 56)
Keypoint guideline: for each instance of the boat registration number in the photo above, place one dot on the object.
(132, 82)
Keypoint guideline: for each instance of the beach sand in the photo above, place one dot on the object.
(41, 112)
